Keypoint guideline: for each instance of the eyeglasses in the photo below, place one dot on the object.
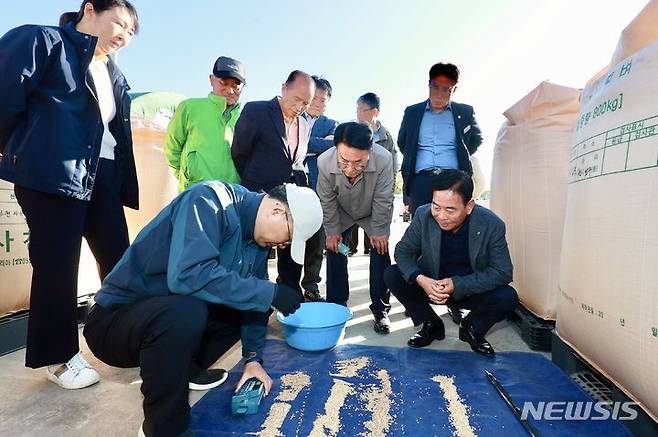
(442, 88)
(356, 165)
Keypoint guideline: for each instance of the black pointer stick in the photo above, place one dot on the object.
(510, 403)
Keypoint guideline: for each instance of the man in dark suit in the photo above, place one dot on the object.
(436, 133)
(453, 253)
(269, 148)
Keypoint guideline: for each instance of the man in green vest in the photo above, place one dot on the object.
(200, 134)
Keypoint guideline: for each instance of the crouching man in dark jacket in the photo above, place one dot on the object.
(453, 253)
(191, 285)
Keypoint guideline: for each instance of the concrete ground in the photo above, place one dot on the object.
(32, 406)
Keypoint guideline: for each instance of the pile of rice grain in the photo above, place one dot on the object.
(456, 407)
(291, 385)
(350, 368)
(378, 401)
(328, 424)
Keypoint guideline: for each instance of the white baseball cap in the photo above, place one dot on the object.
(306, 213)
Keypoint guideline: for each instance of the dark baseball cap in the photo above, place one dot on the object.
(229, 67)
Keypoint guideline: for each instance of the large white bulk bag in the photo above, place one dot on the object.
(608, 303)
(640, 33)
(528, 189)
(15, 269)
(150, 116)
(157, 184)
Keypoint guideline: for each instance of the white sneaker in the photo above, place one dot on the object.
(74, 374)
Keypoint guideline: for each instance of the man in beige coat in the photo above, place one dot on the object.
(355, 186)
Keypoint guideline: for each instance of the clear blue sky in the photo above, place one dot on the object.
(504, 48)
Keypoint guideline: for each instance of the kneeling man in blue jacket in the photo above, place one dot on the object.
(191, 285)
(454, 253)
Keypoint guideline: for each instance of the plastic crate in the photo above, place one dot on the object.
(535, 332)
(13, 332)
(598, 386)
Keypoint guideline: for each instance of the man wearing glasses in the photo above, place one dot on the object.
(436, 134)
(199, 135)
(367, 111)
(355, 186)
(194, 283)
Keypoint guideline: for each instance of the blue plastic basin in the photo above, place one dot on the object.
(315, 326)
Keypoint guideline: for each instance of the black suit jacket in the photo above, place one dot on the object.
(259, 149)
(419, 251)
(468, 135)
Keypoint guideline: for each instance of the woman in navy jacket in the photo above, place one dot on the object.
(66, 144)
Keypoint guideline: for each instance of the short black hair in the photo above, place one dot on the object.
(279, 193)
(445, 69)
(322, 84)
(295, 74)
(354, 134)
(370, 99)
(455, 180)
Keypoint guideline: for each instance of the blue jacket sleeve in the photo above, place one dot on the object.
(24, 53)
(319, 144)
(254, 331)
(194, 266)
(254, 323)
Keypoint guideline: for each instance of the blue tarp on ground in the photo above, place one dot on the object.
(418, 407)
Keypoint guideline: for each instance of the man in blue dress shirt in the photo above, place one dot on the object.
(436, 134)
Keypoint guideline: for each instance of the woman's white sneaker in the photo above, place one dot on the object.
(76, 373)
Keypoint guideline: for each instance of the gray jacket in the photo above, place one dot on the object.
(368, 203)
(419, 252)
(385, 139)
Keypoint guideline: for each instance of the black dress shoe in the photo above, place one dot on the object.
(479, 345)
(430, 330)
(382, 325)
(312, 296)
(455, 314)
